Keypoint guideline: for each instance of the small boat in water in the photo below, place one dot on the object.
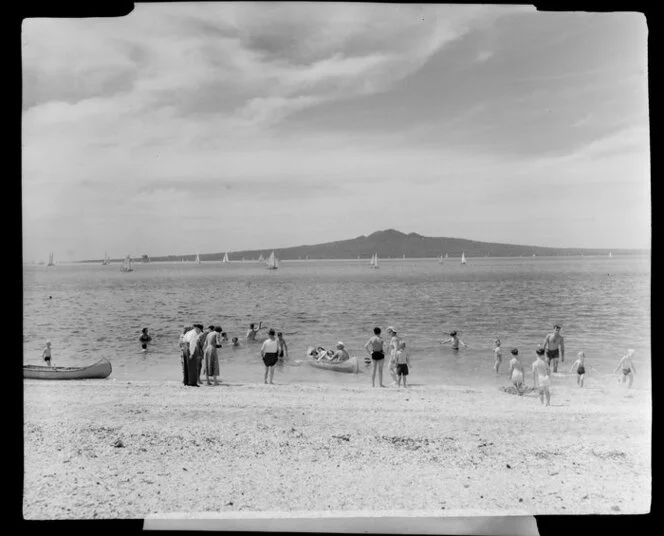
(100, 369)
(272, 262)
(350, 365)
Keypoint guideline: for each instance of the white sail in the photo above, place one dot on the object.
(50, 260)
(440, 259)
(446, 255)
(261, 258)
(374, 261)
(198, 259)
(610, 254)
(272, 262)
(463, 258)
(404, 256)
(225, 259)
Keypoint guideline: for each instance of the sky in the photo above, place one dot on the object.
(210, 127)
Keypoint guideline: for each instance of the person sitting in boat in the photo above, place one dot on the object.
(341, 354)
(321, 353)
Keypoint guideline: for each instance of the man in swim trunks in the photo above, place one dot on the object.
(46, 354)
(375, 347)
(541, 377)
(628, 368)
(554, 346)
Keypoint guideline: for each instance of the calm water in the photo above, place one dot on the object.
(603, 305)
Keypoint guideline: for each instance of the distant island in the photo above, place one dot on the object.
(393, 244)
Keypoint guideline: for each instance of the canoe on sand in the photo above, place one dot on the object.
(350, 365)
(100, 369)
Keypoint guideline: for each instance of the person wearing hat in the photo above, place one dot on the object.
(193, 354)
(341, 354)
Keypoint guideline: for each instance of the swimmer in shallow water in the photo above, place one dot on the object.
(455, 340)
(498, 354)
(628, 368)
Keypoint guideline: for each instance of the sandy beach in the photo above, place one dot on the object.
(129, 449)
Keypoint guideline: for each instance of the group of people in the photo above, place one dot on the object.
(546, 358)
(398, 362)
(199, 351)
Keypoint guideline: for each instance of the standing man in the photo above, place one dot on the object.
(193, 354)
(554, 346)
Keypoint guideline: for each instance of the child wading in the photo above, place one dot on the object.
(541, 377)
(580, 368)
(516, 371)
(403, 362)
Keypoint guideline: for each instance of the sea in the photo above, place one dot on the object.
(89, 311)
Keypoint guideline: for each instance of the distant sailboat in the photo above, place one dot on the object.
(272, 262)
(225, 259)
(126, 265)
(404, 256)
(106, 260)
(440, 259)
(50, 260)
(463, 258)
(261, 258)
(446, 255)
(374, 261)
(610, 254)
(198, 259)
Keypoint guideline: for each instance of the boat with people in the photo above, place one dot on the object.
(100, 369)
(351, 365)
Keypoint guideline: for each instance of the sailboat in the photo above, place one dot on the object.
(198, 259)
(374, 261)
(50, 260)
(404, 257)
(446, 255)
(126, 265)
(225, 259)
(106, 260)
(463, 258)
(440, 259)
(610, 254)
(272, 262)
(261, 258)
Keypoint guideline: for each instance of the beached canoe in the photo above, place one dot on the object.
(100, 369)
(350, 365)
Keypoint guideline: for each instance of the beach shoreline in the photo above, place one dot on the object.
(131, 449)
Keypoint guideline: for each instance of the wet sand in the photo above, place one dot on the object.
(118, 449)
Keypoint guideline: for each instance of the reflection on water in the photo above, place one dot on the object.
(603, 305)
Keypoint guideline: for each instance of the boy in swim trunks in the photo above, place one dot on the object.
(554, 345)
(46, 353)
(628, 368)
(541, 377)
(580, 368)
(402, 360)
(516, 371)
(499, 356)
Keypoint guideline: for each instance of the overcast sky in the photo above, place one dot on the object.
(185, 128)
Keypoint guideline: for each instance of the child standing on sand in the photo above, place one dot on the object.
(498, 354)
(392, 349)
(516, 371)
(402, 360)
(628, 368)
(46, 353)
(541, 377)
(580, 368)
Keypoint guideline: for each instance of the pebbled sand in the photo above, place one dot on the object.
(293, 448)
